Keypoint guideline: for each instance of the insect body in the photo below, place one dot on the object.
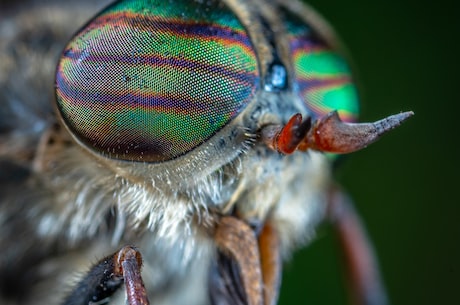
(196, 131)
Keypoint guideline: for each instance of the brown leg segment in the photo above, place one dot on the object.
(362, 272)
(107, 276)
(271, 263)
(128, 265)
(236, 240)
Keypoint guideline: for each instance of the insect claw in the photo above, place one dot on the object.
(327, 134)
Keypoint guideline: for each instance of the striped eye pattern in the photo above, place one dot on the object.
(149, 81)
(323, 77)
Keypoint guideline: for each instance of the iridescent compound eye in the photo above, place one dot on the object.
(323, 78)
(150, 80)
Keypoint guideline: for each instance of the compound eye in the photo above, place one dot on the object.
(150, 81)
(323, 77)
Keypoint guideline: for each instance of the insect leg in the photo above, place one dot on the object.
(105, 277)
(237, 278)
(129, 263)
(361, 267)
(271, 263)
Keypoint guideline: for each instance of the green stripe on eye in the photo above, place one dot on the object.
(325, 84)
(323, 78)
(320, 63)
(148, 81)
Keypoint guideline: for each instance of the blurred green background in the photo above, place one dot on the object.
(405, 185)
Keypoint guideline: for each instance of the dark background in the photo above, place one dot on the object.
(405, 186)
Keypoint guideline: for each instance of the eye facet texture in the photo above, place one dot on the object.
(323, 78)
(151, 80)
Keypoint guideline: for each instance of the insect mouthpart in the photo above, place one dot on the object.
(189, 114)
(327, 134)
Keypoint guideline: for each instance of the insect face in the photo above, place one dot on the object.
(147, 82)
(203, 127)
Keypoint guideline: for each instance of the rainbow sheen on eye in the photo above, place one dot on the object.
(323, 78)
(150, 80)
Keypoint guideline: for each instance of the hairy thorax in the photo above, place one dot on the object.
(173, 224)
(77, 206)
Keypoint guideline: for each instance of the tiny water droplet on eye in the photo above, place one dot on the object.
(277, 78)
